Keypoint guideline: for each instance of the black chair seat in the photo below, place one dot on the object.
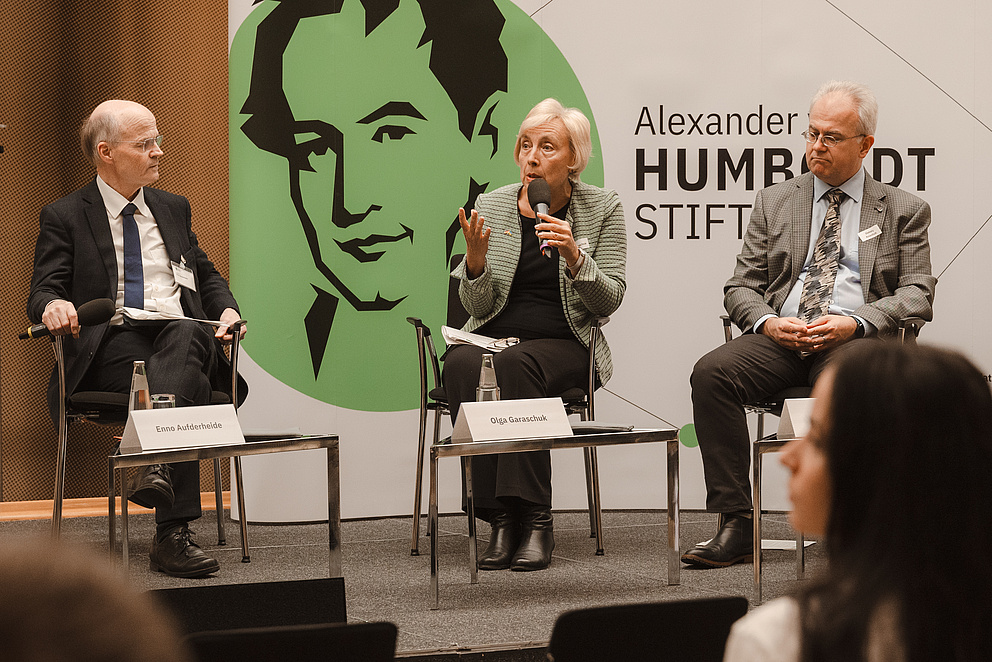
(774, 404)
(573, 396)
(438, 395)
(109, 405)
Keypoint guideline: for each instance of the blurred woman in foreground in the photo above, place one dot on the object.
(895, 472)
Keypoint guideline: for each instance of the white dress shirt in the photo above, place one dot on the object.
(161, 290)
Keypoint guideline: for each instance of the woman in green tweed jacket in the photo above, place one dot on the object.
(540, 278)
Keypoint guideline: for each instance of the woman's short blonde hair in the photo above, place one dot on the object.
(576, 125)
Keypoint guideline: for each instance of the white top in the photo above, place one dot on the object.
(161, 290)
(770, 633)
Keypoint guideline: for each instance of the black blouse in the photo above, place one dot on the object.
(533, 309)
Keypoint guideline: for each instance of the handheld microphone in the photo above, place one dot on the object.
(539, 197)
(90, 313)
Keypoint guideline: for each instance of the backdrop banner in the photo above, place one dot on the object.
(359, 129)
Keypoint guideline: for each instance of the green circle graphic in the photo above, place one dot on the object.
(355, 136)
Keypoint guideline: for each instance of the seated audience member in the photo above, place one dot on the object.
(63, 604)
(895, 473)
(546, 298)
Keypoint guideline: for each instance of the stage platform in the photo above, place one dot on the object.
(506, 611)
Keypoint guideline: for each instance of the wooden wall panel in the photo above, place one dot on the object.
(60, 58)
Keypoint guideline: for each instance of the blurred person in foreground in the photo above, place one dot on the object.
(62, 604)
(547, 299)
(895, 473)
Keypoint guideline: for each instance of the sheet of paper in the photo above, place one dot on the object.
(141, 315)
(453, 336)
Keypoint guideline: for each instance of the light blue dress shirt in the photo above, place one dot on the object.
(848, 294)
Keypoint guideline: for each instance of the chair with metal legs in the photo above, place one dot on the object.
(435, 400)
(579, 401)
(110, 408)
(909, 330)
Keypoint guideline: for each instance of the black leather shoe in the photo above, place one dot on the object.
(733, 543)
(502, 542)
(537, 540)
(152, 487)
(177, 555)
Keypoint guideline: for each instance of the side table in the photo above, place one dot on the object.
(118, 463)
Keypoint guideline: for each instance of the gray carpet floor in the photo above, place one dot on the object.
(383, 582)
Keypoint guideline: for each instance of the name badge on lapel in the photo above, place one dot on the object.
(183, 275)
(870, 233)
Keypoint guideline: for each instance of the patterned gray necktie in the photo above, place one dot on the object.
(818, 288)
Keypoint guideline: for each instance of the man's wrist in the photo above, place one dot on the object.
(859, 331)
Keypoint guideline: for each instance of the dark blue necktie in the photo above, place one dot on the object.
(134, 280)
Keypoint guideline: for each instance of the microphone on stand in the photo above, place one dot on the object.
(539, 197)
(90, 313)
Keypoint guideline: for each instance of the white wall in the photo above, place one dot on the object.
(929, 66)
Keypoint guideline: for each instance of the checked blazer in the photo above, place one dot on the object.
(595, 214)
(895, 265)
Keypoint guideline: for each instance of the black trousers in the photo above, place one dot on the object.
(180, 358)
(746, 369)
(531, 369)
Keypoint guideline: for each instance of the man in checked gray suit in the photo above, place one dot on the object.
(882, 274)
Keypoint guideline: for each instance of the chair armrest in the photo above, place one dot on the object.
(728, 333)
(235, 331)
(909, 328)
(420, 326)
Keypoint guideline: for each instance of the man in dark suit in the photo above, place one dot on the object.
(878, 272)
(115, 238)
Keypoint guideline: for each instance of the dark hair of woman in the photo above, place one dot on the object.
(909, 457)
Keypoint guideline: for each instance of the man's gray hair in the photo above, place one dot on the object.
(97, 128)
(863, 98)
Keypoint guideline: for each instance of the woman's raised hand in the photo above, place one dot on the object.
(476, 242)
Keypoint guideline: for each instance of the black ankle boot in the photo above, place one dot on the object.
(502, 542)
(537, 539)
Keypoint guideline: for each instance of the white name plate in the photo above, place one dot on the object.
(511, 419)
(181, 427)
(795, 420)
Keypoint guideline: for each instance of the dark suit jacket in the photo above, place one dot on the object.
(895, 265)
(75, 260)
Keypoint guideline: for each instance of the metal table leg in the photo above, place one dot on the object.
(245, 558)
(674, 557)
(756, 518)
(333, 511)
(473, 545)
(432, 528)
(124, 549)
(112, 508)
